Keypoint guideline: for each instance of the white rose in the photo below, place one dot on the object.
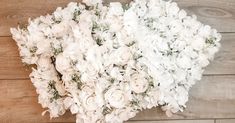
(43, 46)
(115, 73)
(74, 109)
(89, 102)
(44, 62)
(123, 55)
(138, 83)
(88, 98)
(116, 97)
(62, 63)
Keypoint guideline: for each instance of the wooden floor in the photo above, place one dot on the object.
(212, 100)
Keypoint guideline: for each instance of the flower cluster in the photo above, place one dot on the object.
(107, 63)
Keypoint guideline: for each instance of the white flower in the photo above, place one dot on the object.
(203, 60)
(89, 102)
(68, 101)
(205, 31)
(184, 62)
(72, 51)
(130, 21)
(198, 43)
(115, 8)
(115, 73)
(59, 29)
(123, 55)
(44, 62)
(165, 79)
(173, 9)
(108, 62)
(182, 14)
(92, 2)
(76, 31)
(88, 98)
(116, 97)
(120, 115)
(74, 108)
(182, 94)
(139, 83)
(43, 46)
(62, 63)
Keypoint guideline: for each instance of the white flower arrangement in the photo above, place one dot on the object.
(107, 63)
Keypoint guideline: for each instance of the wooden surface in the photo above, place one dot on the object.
(212, 100)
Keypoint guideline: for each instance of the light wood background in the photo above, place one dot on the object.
(212, 100)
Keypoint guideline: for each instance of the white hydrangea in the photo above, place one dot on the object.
(106, 63)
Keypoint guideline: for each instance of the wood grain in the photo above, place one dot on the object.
(174, 121)
(226, 121)
(217, 13)
(213, 97)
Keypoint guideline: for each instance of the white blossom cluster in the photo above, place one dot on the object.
(107, 63)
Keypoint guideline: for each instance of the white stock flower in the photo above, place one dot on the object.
(92, 2)
(115, 8)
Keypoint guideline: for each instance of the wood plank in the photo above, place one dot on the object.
(174, 121)
(12, 68)
(18, 103)
(213, 97)
(226, 121)
(224, 61)
(218, 13)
